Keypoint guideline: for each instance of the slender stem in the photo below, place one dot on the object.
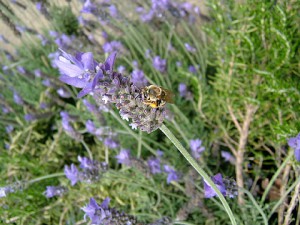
(281, 200)
(181, 132)
(45, 177)
(87, 149)
(139, 149)
(202, 173)
(260, 210)
(134, 135)
(106, 155)
(278, 172)
(292, 205)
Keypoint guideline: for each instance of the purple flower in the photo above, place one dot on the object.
(18, 99)
(159, 64)
(90, 126)
(193, 69)
(67, 126)
(52, 191)
(66, 122)
(154, 165)
(44, 105)
(64, 41)
(89, 7)
(44, 40)
(21, 69)
(178, 64)
(79, 71)
(124, 157)
(86, 163)
(121, 69)
(97, 213)
(183, 91)
(218, 181)
(9, 128)
(72, 174)
(228, 157)
(37, 73)
(113, 11)
(294, 143)
(196, 147)
(30, 117)
(39, 6)
(189, 48)
(172, 174)
(90, 107)
(108, 86)
(5, 110)
(112, 46)
(138, 78)
(63, 93)
(47, 83)
(110, 143)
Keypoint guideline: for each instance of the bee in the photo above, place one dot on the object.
(156, 96)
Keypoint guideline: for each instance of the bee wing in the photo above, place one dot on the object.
(169, 96)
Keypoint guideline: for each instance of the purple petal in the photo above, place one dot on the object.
(86, 90)
(110, 61)
(98, 76)
(105, 203)
(88, 61)
(73, 81)
(68, 69)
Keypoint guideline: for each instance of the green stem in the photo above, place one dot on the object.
(202, 173)
(133, 134)
(278, 172)
(106, 155)
(257, 206)
(45, 177)
(281, 200)
(139, 149)
(87, 149)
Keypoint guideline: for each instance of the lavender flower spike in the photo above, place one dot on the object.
(218, 180)
(103, 215)
(72, 174)
(109, 86)
(196, 147)
(52, 191)
(294, 143)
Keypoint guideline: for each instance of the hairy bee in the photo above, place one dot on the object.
(156, 96)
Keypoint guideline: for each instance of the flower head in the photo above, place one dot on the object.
(124, 157)
(112, 46)
(184, 92)
(154, 165)
(294, 143)
(189, 48)
(72, 174)
(18, 99)
(138, 78)
(108, 86)
(103, 215)
(218, 181)
(172, 174)
(196, 147)
(228, 157)
(97, 213)
(159, 64)
(52, 191)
